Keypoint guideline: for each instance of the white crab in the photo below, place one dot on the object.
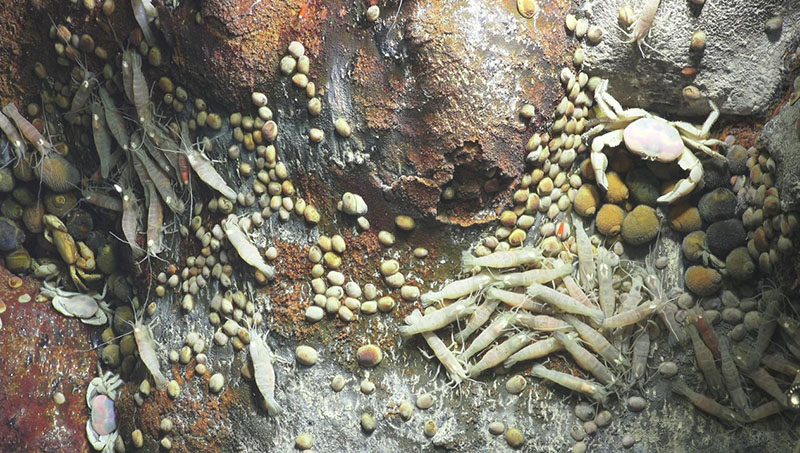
(650, 137)
(101, 428)
(90, 310)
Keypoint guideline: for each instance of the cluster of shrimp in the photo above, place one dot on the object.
(724, 367)
(536, 306)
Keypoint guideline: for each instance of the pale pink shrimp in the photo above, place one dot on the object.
(102, 200)
(765, 332)
(634, 316)
(28, 130)
(502, 259)
(155, 223)
(597, 342)
(501, 352)
(641, 350)
(765, 410)
(440, 318)
(777, 362)
(130, 216)
(489, 334)
(605, 293)
(161, 183)
(585, 255)
(707, 405)
(585, 359)
(102, 138)
(576, 292)
(536, 350)
(541, 323)
(731, 377)
(518, 300)
(13, 136)
(147, 352)
(453, 367)
(478, 318)
(589, 388)
(534, 276)
(705, 362)
(127, 73)
(263, 372)
(457, 289)
(246, 250)
(141, 94)
(564, 302)
(116, 124)
(639, 30)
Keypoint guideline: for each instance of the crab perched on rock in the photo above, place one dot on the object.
(78, 256)
(101, 428)
(650, 137)
(89, 309)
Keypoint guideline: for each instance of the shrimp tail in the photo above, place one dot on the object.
(468, 260)
(681, 388)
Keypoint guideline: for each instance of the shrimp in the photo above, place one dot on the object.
(731, 377)
(597, 342)
(707, 405)
(489, 334)
(102, 200)
(140, 13)
(534, 276)
(696, 317)
(246, 250)
(634, 316)
(147, 352)
(518, 300)
(536, 350)
(478, 318)
(502, 259)
(453, 367)
(677, 333)
(161, 183)
(13, 136)
(155, 222)
(102, 139)
(638, 31)
(765, 410)
(28, 130)
(564, 302)
(542, 323)
(641, 350)
(141, 94)
(576, 292)
(586, 359)
(130, 215)
(585, 254)
(116, 124)
(127, 73)
(501, 352)
(206, 172)
(589, 388)
(705, 362)
(81, 97)
(440, 318)
(763, 380)
(765, 332)
(263, 372)
(605, 294)
(777, 362)
(457, 289)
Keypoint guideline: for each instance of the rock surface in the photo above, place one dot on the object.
(781, 137)
(741, 68)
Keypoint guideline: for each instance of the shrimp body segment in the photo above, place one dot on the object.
(707, 404)
(536, 350)
(518, 300)
(246, 250)
(478, 319)
(263, 372)
(440, 318)
(501, 352)
(705, 362)
(147, 352)
(457, 289)
(585, 359)
(589, 388)
(564, 302)
(534, 276)
(453, 367)
(503, 259)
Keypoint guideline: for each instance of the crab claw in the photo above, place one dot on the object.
(687, 161)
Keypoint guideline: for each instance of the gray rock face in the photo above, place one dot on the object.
(781, 138)
(741, 68)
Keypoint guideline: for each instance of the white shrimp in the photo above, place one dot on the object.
(537, 350)
(478, 318)
(533, 276)
(640, 28)
(147, 351)
(502, 259)
(457, 289)
(454, 368)
(585, 255)
(246, 250)
(518, 300)
(440, 318)
(263, 372)
(564, 302)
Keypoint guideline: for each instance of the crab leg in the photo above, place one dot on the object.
(599, 159)
(688, 161)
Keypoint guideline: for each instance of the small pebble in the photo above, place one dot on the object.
(425, 401)
(306, 355)
(314, 313)
(515, 438)
(636, 403)
(579, 447)
(590, 427)
(496, 428)
(603, 419)
(515, 385)
(386, 238)
(668, 369)
(369, 355)
(773, 25)
(578, 433)
(166, 443)
(216, 382)
(337, 383)
(406, 410)
(430, 428)
(59, 398)
(367, 422)
(367, 387)
(137, 439)
(404, 222)
(584, 412)
(304, 441)
(373, 13)
(627, 441)
(173, 389)
(166, 425)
